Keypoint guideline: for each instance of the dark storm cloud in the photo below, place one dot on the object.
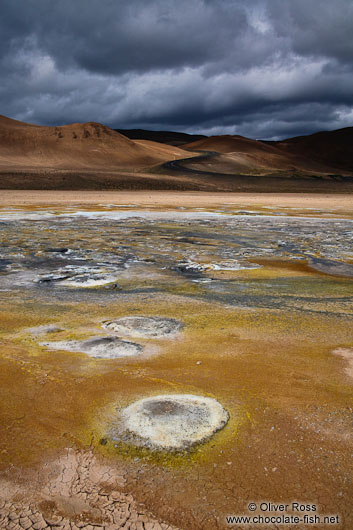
(113, 37)
(262, 68)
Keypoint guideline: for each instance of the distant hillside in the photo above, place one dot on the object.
(93, 156)
(333, 148)
(76, 146)
(163, 137)
(322, 153)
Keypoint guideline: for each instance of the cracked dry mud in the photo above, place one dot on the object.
(75, 492)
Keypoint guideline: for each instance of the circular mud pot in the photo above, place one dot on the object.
(171, 422)
(98, 347)
(145, 327)
(88, 280)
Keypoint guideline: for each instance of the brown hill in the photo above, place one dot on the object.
(321, 153)
(164, 151)
(333, 148)
(77, 146)
(226, 144)
(92, 156)
(241, 155)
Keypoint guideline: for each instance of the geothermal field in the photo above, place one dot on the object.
(176, 265)
(169, 361)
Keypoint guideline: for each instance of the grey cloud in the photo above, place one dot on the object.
(265, 68)
(118, 36)
(315, 27)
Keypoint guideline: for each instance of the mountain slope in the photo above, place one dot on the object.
(334, 148)
(77, 146)
(93, 156)
(322, 153)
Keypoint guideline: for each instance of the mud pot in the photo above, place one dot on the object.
(163, 367)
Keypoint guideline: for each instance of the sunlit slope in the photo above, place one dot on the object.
(164, 151)
(76, 146)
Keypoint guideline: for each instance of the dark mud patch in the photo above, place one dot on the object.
(334, 268)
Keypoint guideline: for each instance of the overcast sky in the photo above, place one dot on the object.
(260, 68)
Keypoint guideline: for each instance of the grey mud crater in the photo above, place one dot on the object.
(98, 347)
(145, 327)
(171, 422)
(79, 276)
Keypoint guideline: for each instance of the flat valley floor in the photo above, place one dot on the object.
(262, 286)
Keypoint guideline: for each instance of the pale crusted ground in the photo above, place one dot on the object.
(74, 492)
(335, 202)
(347, 355)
